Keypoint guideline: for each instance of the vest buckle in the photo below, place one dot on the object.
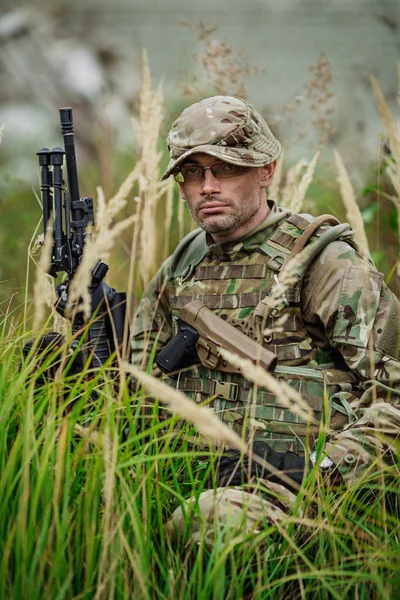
(226, 390)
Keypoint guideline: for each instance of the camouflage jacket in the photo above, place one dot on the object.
(344, 324)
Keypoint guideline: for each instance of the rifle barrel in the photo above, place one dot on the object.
(78, 214)
(67, 130)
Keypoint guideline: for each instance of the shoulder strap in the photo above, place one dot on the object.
(295, 232)
(342, 231)
(336, 230)
(309, 231)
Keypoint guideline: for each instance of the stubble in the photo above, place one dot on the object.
(244, 210)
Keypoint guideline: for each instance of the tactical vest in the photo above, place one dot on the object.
(233, 286)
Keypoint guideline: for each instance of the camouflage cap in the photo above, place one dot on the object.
(226, 127)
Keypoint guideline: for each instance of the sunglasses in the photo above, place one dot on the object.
(220, 170)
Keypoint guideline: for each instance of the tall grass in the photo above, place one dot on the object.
(90, 477)
(88, 483)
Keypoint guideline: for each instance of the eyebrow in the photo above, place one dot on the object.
(196, 163)
(192, 161)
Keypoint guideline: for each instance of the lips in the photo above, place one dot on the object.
(212, 207)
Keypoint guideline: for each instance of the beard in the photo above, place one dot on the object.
(219, 224)
(243, 212)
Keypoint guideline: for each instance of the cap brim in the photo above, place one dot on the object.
(230, 154)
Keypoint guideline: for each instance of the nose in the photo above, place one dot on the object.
(210, 184)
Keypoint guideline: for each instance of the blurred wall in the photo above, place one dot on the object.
(87, 53)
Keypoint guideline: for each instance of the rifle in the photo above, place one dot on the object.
(72, 215)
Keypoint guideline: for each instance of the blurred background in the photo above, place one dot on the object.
(305, 64)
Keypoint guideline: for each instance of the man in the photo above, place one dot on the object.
(340, 334)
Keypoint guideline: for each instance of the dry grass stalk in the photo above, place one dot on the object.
(119, 200)
(181, 224)
(288, 277)
(1, 133)
(110, 512)
(224, 69)
(202, 418)
(317, 100)
(35, 244)
(148, 132)
(274, 188)
(286, 395)
(278, 326)
(300, 191)
(100, 243)
(353, 213)
(393, 136)
(388, 122)
(295, 267)
(43, 291)
(91, 435)
(394, 175)
(398, 83)
(169, 205)
(61, 325)
(292, 181)
(101, 204)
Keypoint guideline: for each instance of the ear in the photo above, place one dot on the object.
(267, 173)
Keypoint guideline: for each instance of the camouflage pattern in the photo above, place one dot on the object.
(226, 127)
(231, 513)
(341, 335)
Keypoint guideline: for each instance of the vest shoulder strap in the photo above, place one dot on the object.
(188, 253)
(297, 231)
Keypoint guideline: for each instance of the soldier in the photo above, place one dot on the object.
(341, 336)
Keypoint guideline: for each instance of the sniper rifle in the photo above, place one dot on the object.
(71, 216)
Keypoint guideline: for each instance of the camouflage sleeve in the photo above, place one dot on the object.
(347, 299)
(153, 322)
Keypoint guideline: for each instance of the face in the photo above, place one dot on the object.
(227, 208)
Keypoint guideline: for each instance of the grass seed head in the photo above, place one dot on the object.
(43, 291)
(299, 193)
(353, 213)
(388, 121)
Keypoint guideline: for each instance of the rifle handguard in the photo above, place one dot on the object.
(215, 333)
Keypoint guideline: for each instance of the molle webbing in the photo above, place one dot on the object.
(236, 393)
(226, 301)
(296, 231)
(231, 271)
(234, 403)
